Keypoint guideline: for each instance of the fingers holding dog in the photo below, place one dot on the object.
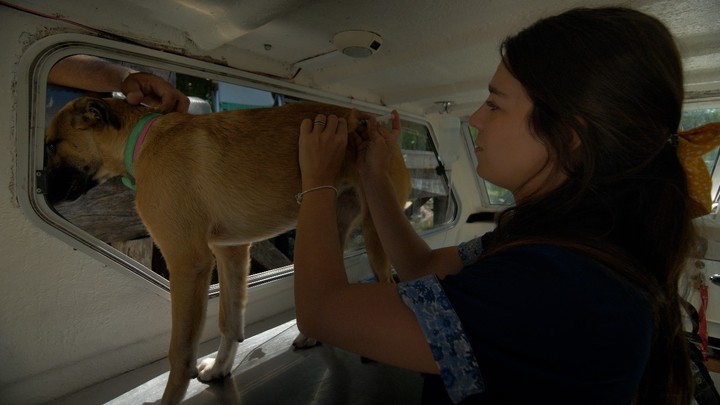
(375, 144)
(322, 145)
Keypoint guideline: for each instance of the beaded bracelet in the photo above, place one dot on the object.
(299, 196)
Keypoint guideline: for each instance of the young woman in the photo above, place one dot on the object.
(573, 298)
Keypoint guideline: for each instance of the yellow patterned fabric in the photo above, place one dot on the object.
(692, 145)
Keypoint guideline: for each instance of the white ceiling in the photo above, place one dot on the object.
(432, 50)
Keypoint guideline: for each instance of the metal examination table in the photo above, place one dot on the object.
(268, 370)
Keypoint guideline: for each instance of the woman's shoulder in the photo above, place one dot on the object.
(545, 254)
(543, 260)
(546, 270)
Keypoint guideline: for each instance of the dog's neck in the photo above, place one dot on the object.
(134, 144)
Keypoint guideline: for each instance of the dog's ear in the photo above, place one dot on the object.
(89, 112)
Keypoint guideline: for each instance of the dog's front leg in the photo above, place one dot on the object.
(189, 295)
(233, 268)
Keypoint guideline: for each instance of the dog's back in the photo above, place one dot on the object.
(236, 169)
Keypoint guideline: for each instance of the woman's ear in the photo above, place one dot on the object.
(575, 142)
(577, 154)
(574, 125)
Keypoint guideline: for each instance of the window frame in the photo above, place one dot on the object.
(700, 103)
(34, 67)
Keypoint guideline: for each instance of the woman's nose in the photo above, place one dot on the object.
(476, 118)
(476, 123)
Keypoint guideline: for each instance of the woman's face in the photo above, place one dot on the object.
(508, 153)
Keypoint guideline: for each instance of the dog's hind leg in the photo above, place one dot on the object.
(233, 268)
(189, 280)
(348, 212)
(376, 254)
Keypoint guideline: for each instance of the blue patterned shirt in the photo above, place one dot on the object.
(450, 346)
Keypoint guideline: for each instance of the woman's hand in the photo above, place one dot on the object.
(322, 144)
(374, 143)
(140, 87)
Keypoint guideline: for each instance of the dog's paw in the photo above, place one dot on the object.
(211, 369)
(304, 342)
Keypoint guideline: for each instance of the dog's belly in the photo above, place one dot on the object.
(241, 232)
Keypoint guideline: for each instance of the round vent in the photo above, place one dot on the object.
(357, 44)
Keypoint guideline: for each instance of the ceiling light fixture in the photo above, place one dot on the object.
(444, 106)
(357, 44)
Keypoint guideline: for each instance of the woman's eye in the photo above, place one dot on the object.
(491, 105)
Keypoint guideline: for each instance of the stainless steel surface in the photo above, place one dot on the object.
(269, 371)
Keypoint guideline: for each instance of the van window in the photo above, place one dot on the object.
(695, 114)
(105, 219)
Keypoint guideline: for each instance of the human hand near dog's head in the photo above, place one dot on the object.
(322, 148)
(141, 87)
(374, 143)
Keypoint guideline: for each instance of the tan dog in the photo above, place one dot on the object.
(207, 187)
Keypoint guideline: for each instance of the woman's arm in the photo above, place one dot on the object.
(94, 74)
(407, 251)
(368, 319)
(89, 73)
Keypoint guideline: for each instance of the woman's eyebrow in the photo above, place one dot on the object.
(494, 90)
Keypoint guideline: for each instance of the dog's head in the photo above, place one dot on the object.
(75, 144)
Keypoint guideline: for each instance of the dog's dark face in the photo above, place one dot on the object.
(73, 150)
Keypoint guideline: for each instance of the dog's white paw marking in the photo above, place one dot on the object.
(220, 366)
(304, 342)
(210, 369)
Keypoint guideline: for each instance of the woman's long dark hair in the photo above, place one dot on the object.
(612, 78)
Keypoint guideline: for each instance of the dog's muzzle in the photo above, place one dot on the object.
(67, 184)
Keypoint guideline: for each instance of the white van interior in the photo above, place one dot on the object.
(84, 294)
